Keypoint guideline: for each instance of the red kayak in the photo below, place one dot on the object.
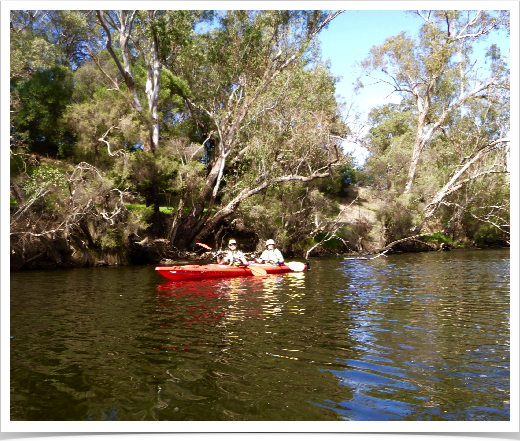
(183, 272)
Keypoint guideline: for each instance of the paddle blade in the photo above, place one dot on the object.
(296, 266)
(203, 245)
(257, 271)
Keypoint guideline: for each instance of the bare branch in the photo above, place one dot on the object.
(114, 82)
(485, 220)
(329, 235)
(119, 152)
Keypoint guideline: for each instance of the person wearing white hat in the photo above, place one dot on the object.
(271, 254)
(233, 256)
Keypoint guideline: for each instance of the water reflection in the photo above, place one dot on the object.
(425, 337)
(186, 305)
(422, 337)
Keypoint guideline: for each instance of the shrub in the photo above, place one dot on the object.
(397, 219)
(139, 218)
(111, 239)
(487, 235)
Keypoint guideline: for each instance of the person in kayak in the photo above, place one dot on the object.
(233, 256)
(271, 254)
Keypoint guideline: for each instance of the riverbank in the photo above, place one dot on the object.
(362, 233)
(160, 252)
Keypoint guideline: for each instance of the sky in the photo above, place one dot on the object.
(348, 39)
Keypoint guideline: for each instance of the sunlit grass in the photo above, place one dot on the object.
(165, 210)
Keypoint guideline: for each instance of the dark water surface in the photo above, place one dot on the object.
(402, 338)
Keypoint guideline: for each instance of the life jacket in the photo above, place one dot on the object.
(233, 258)
(271, 256)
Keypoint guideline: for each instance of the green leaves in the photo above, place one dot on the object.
(44, 98)
(175, 87)
(44, 178)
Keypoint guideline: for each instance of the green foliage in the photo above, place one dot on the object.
(343, 177)
(43, 178)
(388, 122)
(44, 98)
(16, 164)
(174, 85)
(139, 218)
(111, 239)
(286, 213)
(389, 140)
(332, 243)
(437, 237)
(397, 216)
(487, 235)
(141, 209)
(30, 49)
(13, 205)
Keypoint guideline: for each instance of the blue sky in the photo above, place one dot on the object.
(348, 40)
(350, 36)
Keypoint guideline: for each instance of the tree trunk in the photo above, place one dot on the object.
(230, 208)
(175, 222)
(420, 137)
(456, 183)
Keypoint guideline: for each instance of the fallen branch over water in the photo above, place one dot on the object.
(383, 251)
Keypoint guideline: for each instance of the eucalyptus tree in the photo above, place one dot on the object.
(146, 39)
(438, 70)
(387, 141)
(477, 148)
(154, 37)
(29, 49)
(40, 39)
(447, 141)
(241, 73)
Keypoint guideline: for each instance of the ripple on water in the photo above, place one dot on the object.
(406, 337)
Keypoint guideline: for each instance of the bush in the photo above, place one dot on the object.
(139, 218)
(111, 239)
(487, 235)
(44, 177)
(397, 217)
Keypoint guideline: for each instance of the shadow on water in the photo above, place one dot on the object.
(406, 337)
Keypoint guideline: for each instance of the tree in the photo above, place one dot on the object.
(480, 143)
(154, 36)
(43, 99)
(388, 141)
(437, 70)
(240, 73)
(454, 119)
(29, 50)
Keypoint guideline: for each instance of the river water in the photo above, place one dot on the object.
(414, 337)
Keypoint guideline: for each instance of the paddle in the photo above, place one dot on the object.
(257, 271)
(254, 269)
(296, 266)
(203, 245)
